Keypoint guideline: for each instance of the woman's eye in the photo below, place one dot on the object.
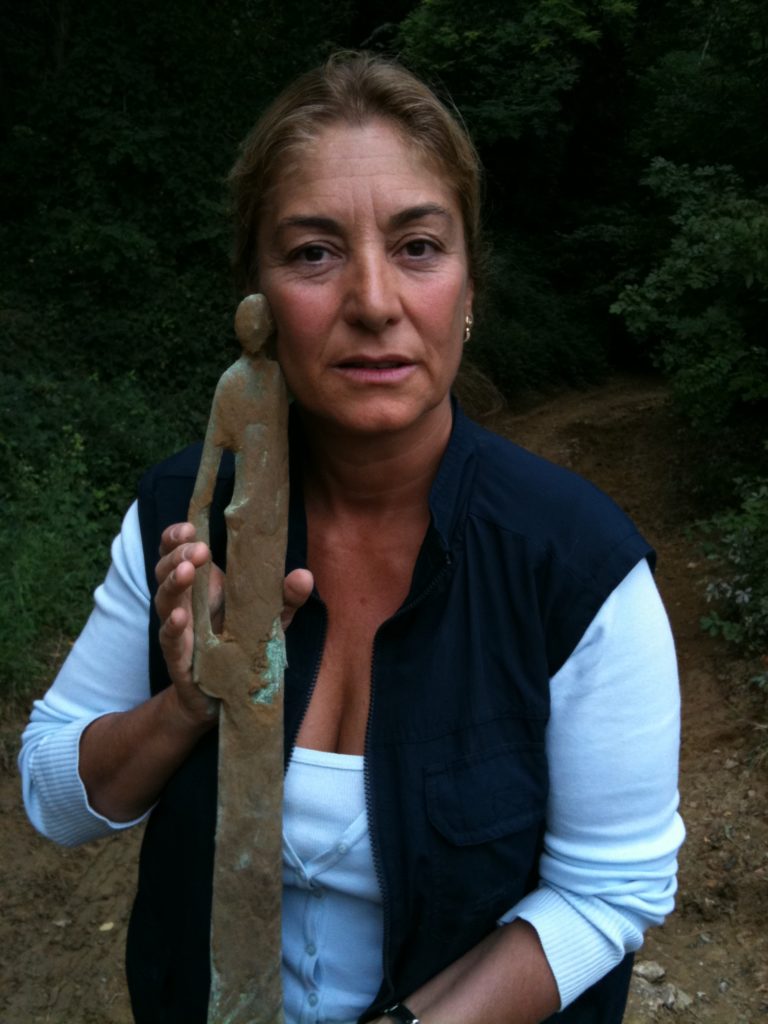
(311, 254)
(420, 247)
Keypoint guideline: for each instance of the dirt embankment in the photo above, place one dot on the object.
(64, 912)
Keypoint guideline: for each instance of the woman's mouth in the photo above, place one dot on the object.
(375, 371)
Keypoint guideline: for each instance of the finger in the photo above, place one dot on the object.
(176, 644)
(175, 534)
(174, 627)
(175, 589)
(216, 597)
(297, 587)
(197, 553)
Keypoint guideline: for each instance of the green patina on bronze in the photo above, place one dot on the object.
(272, 676)
(242, 665)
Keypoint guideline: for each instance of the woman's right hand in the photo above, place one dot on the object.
(180, 557)
(127, 757)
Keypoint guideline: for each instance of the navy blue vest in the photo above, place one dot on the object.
(519, 557)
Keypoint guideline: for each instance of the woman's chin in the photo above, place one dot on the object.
(376, 417)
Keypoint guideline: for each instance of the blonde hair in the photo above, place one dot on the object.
(352, 88)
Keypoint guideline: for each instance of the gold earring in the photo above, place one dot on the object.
(468, 321)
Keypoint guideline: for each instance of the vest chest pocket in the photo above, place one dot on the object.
(487, 815)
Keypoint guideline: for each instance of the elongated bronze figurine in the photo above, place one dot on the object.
(243, 667)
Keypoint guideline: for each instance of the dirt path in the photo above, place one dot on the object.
(64, 912)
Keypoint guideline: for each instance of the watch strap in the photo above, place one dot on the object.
(401, 1013)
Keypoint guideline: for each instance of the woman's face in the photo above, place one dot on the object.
(363, 261)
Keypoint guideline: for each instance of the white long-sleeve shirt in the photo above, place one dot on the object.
(608, 867)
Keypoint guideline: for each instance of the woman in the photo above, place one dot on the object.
(481, 702)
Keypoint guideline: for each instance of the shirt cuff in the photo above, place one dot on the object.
(57, 802)
(582, 938)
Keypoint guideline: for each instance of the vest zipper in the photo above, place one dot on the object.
(311, 687)
(369, 802)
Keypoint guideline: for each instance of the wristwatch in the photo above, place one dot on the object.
(401, 1013)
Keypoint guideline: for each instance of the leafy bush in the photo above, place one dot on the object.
(737, 546)
(527, 338)
(71, 451)
(703, 305)
(117, 127)
(52, 550)
(118, 124)
(509, 67)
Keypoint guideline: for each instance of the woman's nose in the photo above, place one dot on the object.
(373, 299)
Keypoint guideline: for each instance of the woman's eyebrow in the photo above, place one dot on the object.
(326, 224)
(412, 213)
(398, 220)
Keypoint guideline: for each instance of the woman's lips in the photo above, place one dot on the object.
(379, 371)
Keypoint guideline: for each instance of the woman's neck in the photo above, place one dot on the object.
(374, 475)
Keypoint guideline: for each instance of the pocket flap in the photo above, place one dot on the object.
(484, 796)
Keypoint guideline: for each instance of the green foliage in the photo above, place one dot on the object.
(737, 546)
(509, 65)
(53, 546)
(525, 338)
(705, 301)
(122, 124)
(118, 123)
(696, 293)
(514, 70)
(704, 64)
(687, 91)
(70, 454)
(117, 127)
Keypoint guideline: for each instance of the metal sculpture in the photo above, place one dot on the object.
(242, 666)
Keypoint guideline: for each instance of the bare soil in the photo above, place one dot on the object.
(64, 912)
